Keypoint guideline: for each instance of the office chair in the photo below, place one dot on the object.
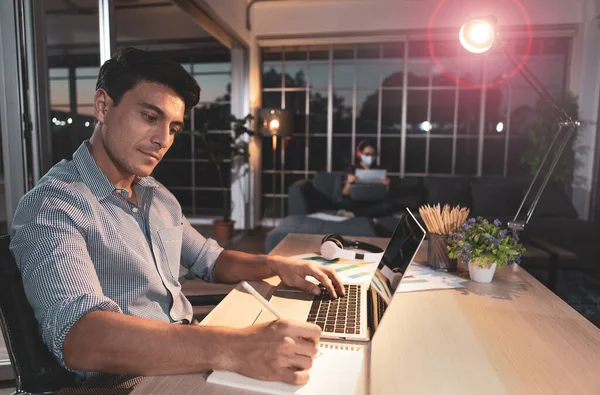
(36, 370)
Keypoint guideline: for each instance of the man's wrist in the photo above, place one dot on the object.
(270, 263)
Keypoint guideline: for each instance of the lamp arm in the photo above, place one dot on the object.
(565, 122)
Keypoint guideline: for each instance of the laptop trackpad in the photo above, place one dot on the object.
(291, 303)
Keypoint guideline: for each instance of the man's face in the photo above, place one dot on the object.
(137, 133)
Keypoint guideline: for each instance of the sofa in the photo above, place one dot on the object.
(555, 219)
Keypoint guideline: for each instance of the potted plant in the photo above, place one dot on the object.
(217, 151)
(484, 246)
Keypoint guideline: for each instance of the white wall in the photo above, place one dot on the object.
(361, 16)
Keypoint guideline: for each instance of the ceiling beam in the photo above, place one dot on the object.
(205, 22)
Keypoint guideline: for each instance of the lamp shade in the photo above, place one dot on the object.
(478, 35)
(275, 122)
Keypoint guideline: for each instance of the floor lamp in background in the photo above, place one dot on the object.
(275, 123)
(480, 35)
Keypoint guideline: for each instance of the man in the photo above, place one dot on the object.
(99, 244)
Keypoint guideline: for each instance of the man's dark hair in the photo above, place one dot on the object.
(130, 66)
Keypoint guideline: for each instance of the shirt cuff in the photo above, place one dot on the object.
(64, 316)
(206, 261)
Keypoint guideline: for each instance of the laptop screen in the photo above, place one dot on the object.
(400, 251)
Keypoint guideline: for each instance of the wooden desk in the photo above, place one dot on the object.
(512, 336)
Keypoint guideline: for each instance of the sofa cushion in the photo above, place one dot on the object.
(448, 190)
(494, 197)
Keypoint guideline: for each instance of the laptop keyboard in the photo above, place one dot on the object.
(341, 315)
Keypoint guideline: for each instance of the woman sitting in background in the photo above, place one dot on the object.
(366, 158)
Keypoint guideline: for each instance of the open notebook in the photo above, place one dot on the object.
(335, 370)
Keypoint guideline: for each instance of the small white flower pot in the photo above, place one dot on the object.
(483, 274)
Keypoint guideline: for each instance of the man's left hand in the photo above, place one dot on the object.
(293, 273)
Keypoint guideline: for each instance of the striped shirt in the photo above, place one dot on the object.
(81, 246)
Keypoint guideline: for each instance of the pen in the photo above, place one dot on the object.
(259, 297)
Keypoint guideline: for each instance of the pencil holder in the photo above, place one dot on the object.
(437, 254)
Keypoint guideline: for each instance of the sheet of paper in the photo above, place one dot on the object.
(348, 270)
(334, 371)
(328, 217)
(420, 278)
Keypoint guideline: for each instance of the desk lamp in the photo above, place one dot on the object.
(479, 36)
(275, 123)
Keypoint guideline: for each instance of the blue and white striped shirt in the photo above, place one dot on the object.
(82, 246)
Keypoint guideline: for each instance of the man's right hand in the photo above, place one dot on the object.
(280, 350)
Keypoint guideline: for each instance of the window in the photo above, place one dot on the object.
(453, 126)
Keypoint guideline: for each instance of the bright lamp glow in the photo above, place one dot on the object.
(426, 126)
(477, 35)
(274, 124)
(499, 127)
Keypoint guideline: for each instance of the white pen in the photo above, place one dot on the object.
(262, 300)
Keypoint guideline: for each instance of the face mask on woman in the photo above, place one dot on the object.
(367, 159)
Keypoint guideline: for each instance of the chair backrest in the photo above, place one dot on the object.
(36, 369)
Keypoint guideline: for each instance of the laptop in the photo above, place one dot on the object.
(357, 315)
(370, 175)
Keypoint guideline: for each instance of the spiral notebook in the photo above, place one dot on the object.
(335, 370)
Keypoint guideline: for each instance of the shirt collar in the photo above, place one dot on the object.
(93, 176)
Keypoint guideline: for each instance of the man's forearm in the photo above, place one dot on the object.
(117, 343)
(235, 266)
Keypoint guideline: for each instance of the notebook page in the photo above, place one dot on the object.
(334, 371)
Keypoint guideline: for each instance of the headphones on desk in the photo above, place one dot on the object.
(334, 246)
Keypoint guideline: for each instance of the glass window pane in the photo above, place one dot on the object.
(342, 156)
(295, 55)
(296, 102)
(224, 67)
(466, 156)
(469, 103)
(272, 182)
(390, 154)
(415, 155)
(85, 109)
(271, 100)
(214, 87)
(446, 53)
(85, 91)
(59, 72)
(471, 66)
(368, 51)
(416, 112)
(210, 203)
(442, 112)
(184, 197)
(342, 112)
(317, 159)
(344, 53)
(59, 93)
(391, 112)
(319, 73)
(493, 156)
(367, 75)
(207, 175)
(271, 77)
(343, 76)
(181, 147)
(294, 153)
(173, 174)
(318, 112)
(440, 156)
(273, 207)
(517, 148)
(217, 116)
(295, 75)
(367, 103)
(87, 72)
